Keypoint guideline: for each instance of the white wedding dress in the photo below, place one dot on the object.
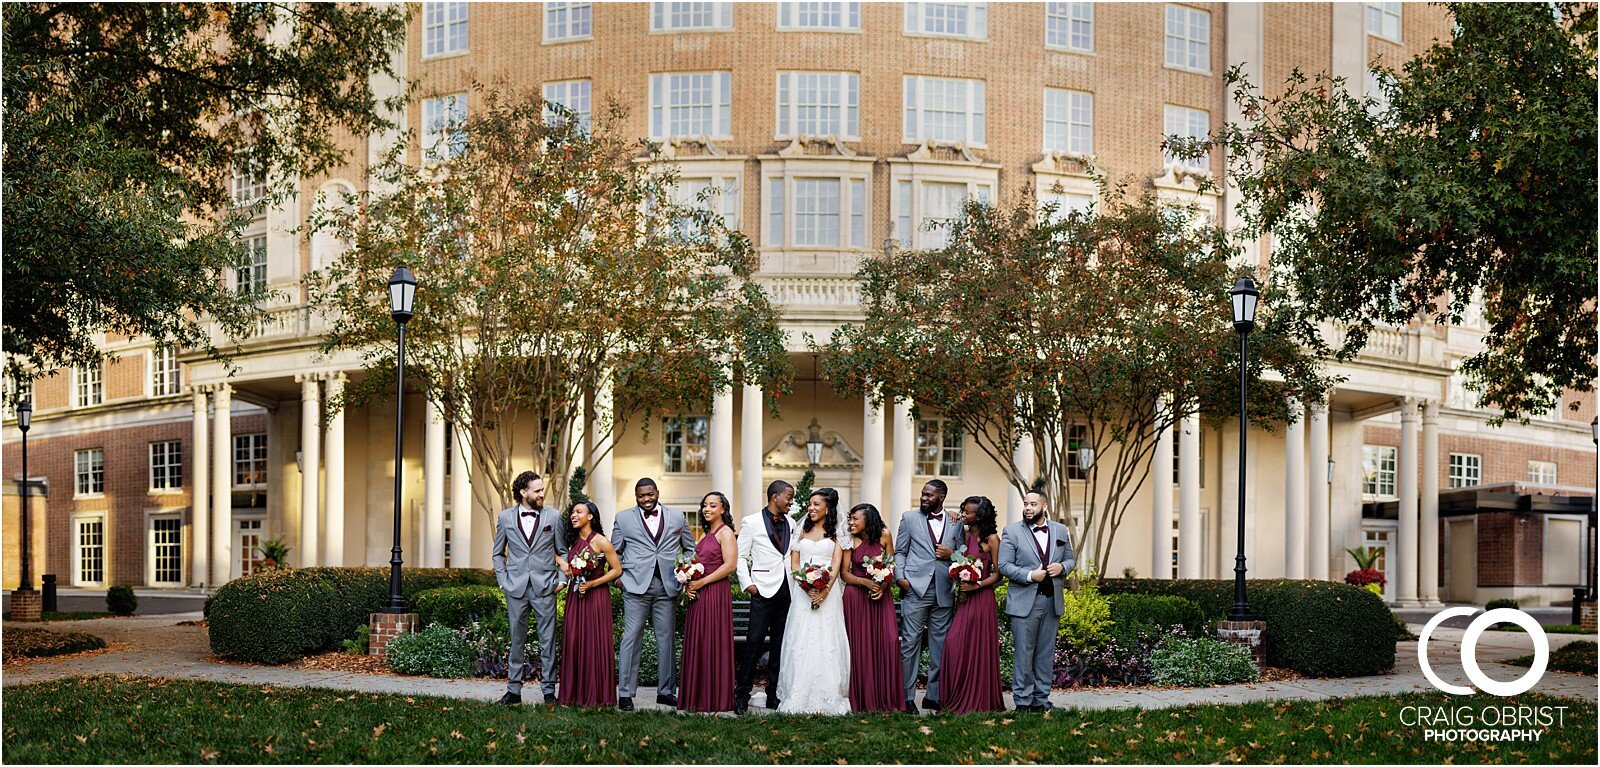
(815, 673)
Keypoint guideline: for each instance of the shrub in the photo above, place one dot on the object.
(437, 650)
(1085, 615)
(120, 600)
(490, 640)
(1315, 627)
(280, 615)
(456, 606)
(1136, 614)
(361, 643)
(1574, 657)
(1201, 662)
(40, 643)
(1495, 604)
(1120, 660)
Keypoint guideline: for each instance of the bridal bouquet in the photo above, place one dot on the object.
(880, 569)
(585, 565)
(812, 578)
(687, 568)
(965, 569)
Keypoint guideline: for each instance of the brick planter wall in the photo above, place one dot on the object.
(386, 626)
(26, 606)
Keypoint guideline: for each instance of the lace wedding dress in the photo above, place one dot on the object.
(815, 674)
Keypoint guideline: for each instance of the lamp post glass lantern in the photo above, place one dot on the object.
(1245, 298)
(402, 292)
(25, 422)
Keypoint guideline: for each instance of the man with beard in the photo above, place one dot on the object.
(648, 538)
(527, 540)
(927, 602)
(1036, 554)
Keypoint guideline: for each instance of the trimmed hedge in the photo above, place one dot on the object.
(456, 606)
(41, 643)
(1132, 614)
(120, 600)
(1315, 627)
(277, 616)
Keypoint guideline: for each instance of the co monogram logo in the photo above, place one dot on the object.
(1469, 651)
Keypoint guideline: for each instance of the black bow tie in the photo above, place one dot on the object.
(652, 512)
(936, 516)
(1042, 529)
(530, 513)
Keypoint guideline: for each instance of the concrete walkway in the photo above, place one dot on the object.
(154, 645)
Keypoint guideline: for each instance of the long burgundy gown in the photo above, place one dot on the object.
(971, 669)
(588, 657)
(875, 683)
(707, 664)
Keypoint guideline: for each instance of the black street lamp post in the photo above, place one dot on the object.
(25, 422)
(1245, 297)
(402, 289)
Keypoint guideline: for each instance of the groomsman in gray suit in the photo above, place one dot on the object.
(927, 603)
(527, 540)
(1036, 554)
(648, 537)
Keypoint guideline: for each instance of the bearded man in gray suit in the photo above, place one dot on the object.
(527, 540)
(648, 538)
(1036, 554)
(922, 552)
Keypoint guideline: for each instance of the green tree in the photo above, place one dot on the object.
(123, 124)
(1478, 176)
(1082, 330)
(553, 266)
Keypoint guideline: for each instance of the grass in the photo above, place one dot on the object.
(166, 721)
(1554, 628)
(1576, 657)
(41, 643)
(67, 616)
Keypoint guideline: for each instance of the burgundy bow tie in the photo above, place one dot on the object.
(530, 513)
(653, 512)
(936, 517)
(1042, 529)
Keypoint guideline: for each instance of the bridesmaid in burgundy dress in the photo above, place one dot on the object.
(588, 659)
(869, 619)
(706, 676)
(972, 648)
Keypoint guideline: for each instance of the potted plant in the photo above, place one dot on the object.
(274, 554)
(1366, 575)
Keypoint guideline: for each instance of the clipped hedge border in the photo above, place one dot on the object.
(1317, 628)
(23, 642)
(278, 616)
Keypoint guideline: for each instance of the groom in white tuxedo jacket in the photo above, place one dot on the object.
(764, 539)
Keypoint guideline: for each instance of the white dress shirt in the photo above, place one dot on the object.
(652, 522)
(527, 523)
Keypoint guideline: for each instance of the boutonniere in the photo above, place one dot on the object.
(547, 528)
(1061, 543)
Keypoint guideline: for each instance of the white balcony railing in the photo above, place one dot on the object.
(814, 292)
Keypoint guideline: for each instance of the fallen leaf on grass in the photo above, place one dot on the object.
(209, 753)
(378, 731)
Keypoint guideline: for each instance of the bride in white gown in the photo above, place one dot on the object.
(814, 677)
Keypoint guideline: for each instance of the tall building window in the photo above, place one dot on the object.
(443, 121)
(1466, 470)
(1184, 122)
(1068, 121)
(686, 17)
(88, 387)
(830, 16)
(924, 209)
(719, 194)
(567, 21)
(939, 448)
(164, 372)
(572, 94)
(248, 185)
(15, 392)
(1188, 38)
(166, 465)
(249, 460)
(1069, 26)
(1542, 472)
(1078, 439)
(828, 212)
(1379, 540)
(819, 103)
(166, 550)
(90, 551)
(90, 471)
(691, 104)
(251, 277)
(944, 109)
(1383, 20)
(444, 28)
(683, 444)
(250, 558)
(1200, 455)
(970, 20)
(1378, 467)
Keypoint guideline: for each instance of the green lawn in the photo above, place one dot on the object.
(1576, 657)
(67, 616)
(107, 719)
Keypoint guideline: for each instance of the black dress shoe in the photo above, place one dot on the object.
(624, 704)
(510, 699)
(1027, 707)
(741, 706)
(910, 709)
(772, 703)
(549, 697)
(667, 700)
(1046, 706)
(930, 705)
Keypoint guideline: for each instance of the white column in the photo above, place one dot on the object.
(432, 554)
(899, 493)
(461, 511)
(310, 468)
(602, 482)
(1189, 532)
(752, 441)
(1318, 485)
(1161, 503)
(200, 502)
(222, 487)
(1024, 459)
(872, 455)
(1294, 490)
(719, 443)
(333, 546)
(1428, 532)
(1406, 546)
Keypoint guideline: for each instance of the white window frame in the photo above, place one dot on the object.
(167, 456)
(442, 120)
(562, 30)
(791, 13)
(265, 460)
(684, 427)
(1386, 533)
(1187, 122)
(85, 471)
(88, 385)
(15, 391)
(1378, 16)
(906, 213)
(846, 88)
(1542, 472)
(949, 456)
(252, 277)
(1177, 432)
(570, 94)
(1465, 470)
(1187, 42)
(248, 187)
(1375, 458)
(914, 113)
(437, 38)
(975, 22)
(151, 557)
(780, 210)
(666, 17)
(78, 520)
(1074, 104)
(1061, 26)
(725, 202)
(165, 374)
(259, 529)
(662, 105)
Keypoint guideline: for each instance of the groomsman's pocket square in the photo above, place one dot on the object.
(547, 528)
(1058, 543)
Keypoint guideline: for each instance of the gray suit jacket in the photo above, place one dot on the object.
(1019, 556)
(914, 555)
(519, 565)
(641, 555)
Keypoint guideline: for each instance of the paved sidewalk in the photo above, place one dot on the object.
(155, 646)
